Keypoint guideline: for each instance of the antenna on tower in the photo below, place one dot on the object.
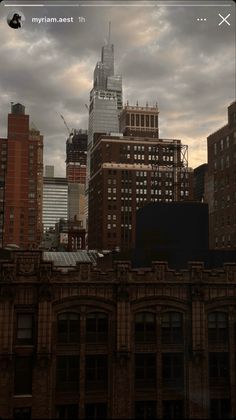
(109, 33)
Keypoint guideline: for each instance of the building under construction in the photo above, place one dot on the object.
(129, 170)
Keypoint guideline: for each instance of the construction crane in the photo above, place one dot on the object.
(66, 125)
(71, 132)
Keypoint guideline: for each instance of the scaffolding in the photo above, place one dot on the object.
(179, 165)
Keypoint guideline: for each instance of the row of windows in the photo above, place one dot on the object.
(171, 409)
(97, 327)
(219, 146)
(170, 377)
(222, 163)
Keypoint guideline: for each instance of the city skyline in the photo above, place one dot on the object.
(163, 55)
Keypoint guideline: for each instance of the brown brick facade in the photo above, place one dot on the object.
(170, 345)
(221, 184)
(127, 173)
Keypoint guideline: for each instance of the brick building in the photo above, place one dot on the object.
(3, 166)
(22, 173)
(221, 183)
(126, 173)
(117, 343)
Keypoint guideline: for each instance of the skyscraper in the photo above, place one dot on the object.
(55, 201)
(105, 99)
(23, 181)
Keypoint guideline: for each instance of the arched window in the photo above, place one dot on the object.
(172, 328)
(145, 327)
(68, 328)
(218, 327)
(96, 327)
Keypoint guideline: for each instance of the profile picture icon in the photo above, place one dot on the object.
(15, 19)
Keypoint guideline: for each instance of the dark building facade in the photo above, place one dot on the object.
(128, 172)
(119, 343)
(22, 171)
(199, 182)
(222, 183)
(175, 231)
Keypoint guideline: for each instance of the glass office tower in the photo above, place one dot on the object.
(105, 101)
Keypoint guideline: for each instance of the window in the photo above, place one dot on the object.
(172, 328)
(145, 410)
(96, 411)
(23, 376)
(173, 409)
(24, 333)
(145, 327)
(218, 368)
(218, 328)
(96, 327)
(96, 372)
(68, 328)
(173, 370)
(145, 370)
(67, 375)
(67, 412)
(219, 409)
(22, 413)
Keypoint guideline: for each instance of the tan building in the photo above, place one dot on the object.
(115, 343)
(139, 121)
(221, 183)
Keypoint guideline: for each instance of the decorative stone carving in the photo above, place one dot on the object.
(196, 272)
(123, 269)
(160, 271)
(231, 275)
(84, 270)
(7, 274)
(27, 266)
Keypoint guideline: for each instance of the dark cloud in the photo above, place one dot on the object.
(163, 53)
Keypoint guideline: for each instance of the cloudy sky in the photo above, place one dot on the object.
(163, 53)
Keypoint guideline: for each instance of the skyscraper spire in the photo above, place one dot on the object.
(109, 33)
